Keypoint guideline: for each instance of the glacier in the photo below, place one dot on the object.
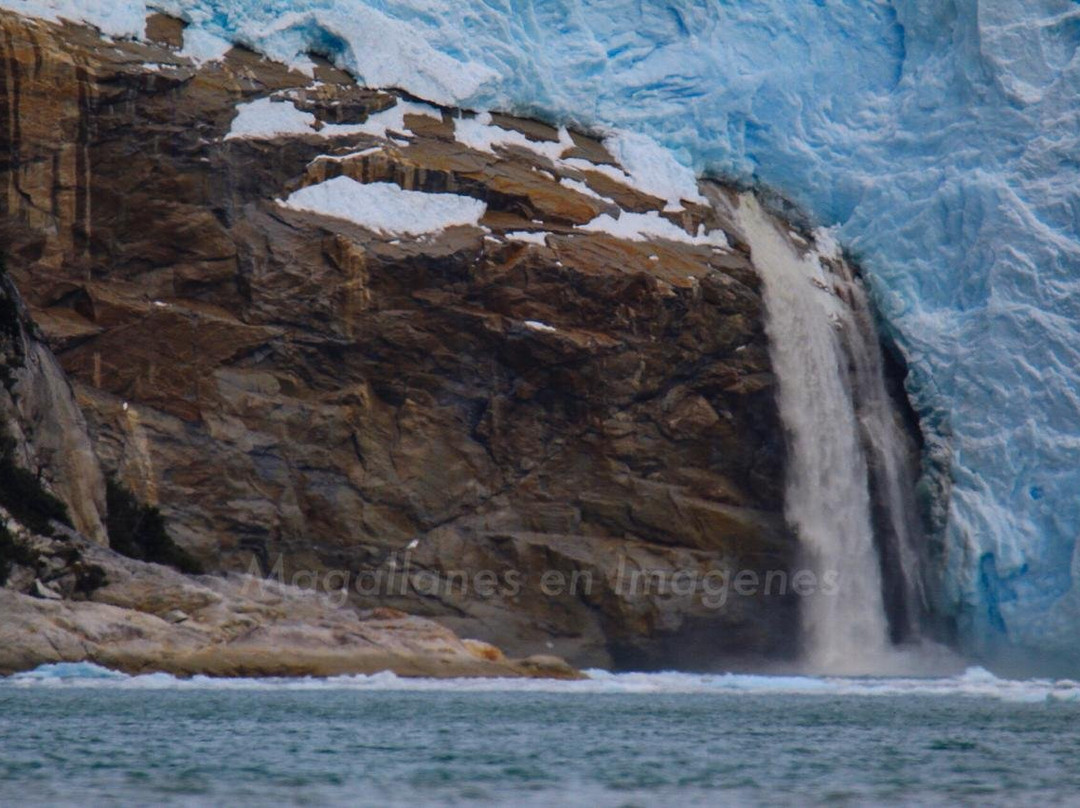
(940, 137)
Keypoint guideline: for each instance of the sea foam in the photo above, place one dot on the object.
(973, 683)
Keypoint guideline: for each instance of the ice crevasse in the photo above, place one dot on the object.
(941, 137)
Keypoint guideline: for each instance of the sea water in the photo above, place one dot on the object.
(79, 735)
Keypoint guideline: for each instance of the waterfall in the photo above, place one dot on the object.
(847, 449)
(892, 461)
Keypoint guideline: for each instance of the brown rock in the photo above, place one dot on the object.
(233, 626)
(550, 667)
(165, 30)
(484, 650)
(293, 388)
(43, 430)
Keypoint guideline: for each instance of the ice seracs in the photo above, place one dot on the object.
(939, 137)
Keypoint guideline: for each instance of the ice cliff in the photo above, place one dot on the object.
(940, 136)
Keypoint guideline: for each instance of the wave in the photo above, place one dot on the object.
(976, 683)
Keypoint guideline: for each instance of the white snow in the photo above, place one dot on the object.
(386, 208)
(201, 46)
(481, 134)
(337, 158)
(380, 49)
(828, 245)
(393, 119)
(537, 325)
(648, 226)
(121, 18)
(526, 237)
(654, 169)
(583, 189)
(266, 118)
(649, 167)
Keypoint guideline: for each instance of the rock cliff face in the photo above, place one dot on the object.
(65, 597)
(44, 432)
(393, 413)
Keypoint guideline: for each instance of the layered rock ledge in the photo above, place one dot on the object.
(88, 604)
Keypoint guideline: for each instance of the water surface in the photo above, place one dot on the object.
(76, 736)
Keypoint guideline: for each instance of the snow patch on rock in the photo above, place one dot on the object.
(201, 46)
(481, 134)
(649, 226)
(386, 208)
(527, 237)
(267, 118)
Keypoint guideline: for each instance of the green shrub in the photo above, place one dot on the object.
(138, 531)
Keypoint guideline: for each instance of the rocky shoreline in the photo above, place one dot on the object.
(70, 600)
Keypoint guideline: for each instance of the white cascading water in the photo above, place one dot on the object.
(820, 353)
(891, 457)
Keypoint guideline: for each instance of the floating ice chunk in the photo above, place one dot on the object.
(387, 208)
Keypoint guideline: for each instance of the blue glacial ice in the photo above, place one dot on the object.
(941, 137)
